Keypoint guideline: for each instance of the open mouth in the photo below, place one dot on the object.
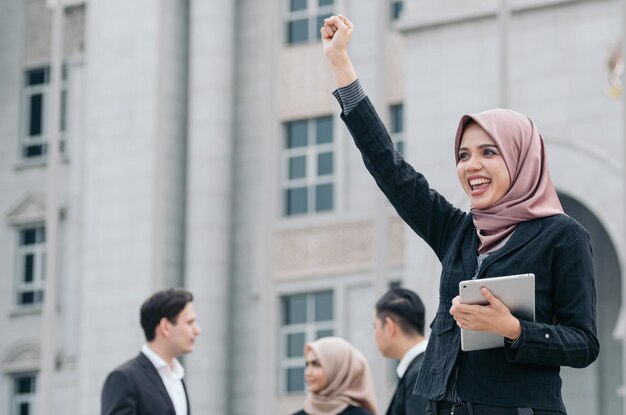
(479, 184)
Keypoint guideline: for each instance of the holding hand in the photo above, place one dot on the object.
(494, 317)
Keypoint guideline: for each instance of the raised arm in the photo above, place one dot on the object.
(336, 34)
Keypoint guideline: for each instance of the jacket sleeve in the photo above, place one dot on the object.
(428, 213)
(118, 397)
(571, 339)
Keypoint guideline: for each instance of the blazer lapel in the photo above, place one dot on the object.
(186, 397)
(153, 375)
(470, 252)
(524, 232)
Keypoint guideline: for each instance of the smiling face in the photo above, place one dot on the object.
(481, 168)
(314, 374)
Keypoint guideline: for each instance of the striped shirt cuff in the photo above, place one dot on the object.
(349, 96)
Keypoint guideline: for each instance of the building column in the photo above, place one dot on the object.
(209, 184)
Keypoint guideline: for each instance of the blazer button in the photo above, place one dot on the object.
(547, 336)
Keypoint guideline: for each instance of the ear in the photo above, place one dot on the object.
(164, 327)
(390, 326)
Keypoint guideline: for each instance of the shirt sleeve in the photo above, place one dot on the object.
(349, 96)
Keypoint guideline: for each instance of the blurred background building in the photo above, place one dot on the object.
(199, 146)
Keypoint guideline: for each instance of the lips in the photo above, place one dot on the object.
(478, 185)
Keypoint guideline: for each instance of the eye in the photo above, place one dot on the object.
(463, 155)
(490, 152)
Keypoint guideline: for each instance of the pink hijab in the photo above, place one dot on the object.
(349, 378)
(531, 194)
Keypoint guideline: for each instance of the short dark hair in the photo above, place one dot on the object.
(165, 303)
(404, 307)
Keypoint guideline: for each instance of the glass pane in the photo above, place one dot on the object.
(41, 234)
(37, 76)
(27, 297)
(24, 408)
(297, 134)
(29, 267)
(298, 31)
(34, 151)
(324, 306)
(324, 164)
(294, 309)
(25, 385)
(295, 5)
(400, 147)
(396, 9)
(297, 167)
(295, 379)
(324, 130)
(35, 120)
(397, 118)
(296, 201)
(325, 2)
(323, 333)
(28, 236)
(295, 345)
(324, 197)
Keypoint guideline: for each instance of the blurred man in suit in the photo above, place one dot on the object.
(399, 334)
(152, 383)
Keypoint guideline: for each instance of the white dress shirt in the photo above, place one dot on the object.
(408, 357)
(172, 378)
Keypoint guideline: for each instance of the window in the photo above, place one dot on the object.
(305, 18)
(36, 86)
(308, 166)
(395, 9)
(304, 318)
(396, 117)
(31, 265)
(23, 395)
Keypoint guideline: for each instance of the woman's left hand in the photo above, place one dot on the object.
(494, 317)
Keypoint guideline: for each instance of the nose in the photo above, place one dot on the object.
(198, 330)
(472, 164)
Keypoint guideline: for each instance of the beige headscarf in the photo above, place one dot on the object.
(531, 194)
(349, 378)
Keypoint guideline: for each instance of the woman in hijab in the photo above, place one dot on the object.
(339, 379)
(515, 226)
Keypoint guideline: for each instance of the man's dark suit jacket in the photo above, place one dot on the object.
(404, 401)
(135, 388)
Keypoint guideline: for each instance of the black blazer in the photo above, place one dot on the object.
(556, 249)
(135, 388)
(404, 402)
(350, 410)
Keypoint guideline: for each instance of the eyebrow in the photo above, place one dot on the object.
(480, 146)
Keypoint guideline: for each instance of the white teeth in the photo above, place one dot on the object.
(475, 182)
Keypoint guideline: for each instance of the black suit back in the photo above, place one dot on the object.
(403, 401)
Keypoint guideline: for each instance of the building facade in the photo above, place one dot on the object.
(201, 147)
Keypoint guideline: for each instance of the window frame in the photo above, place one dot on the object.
(393, 5)
(39, 252)
(310, 328)
(25, 139)
(310, 13)
(312, 179)
(18, 399)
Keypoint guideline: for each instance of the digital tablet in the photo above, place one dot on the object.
(517, 292)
